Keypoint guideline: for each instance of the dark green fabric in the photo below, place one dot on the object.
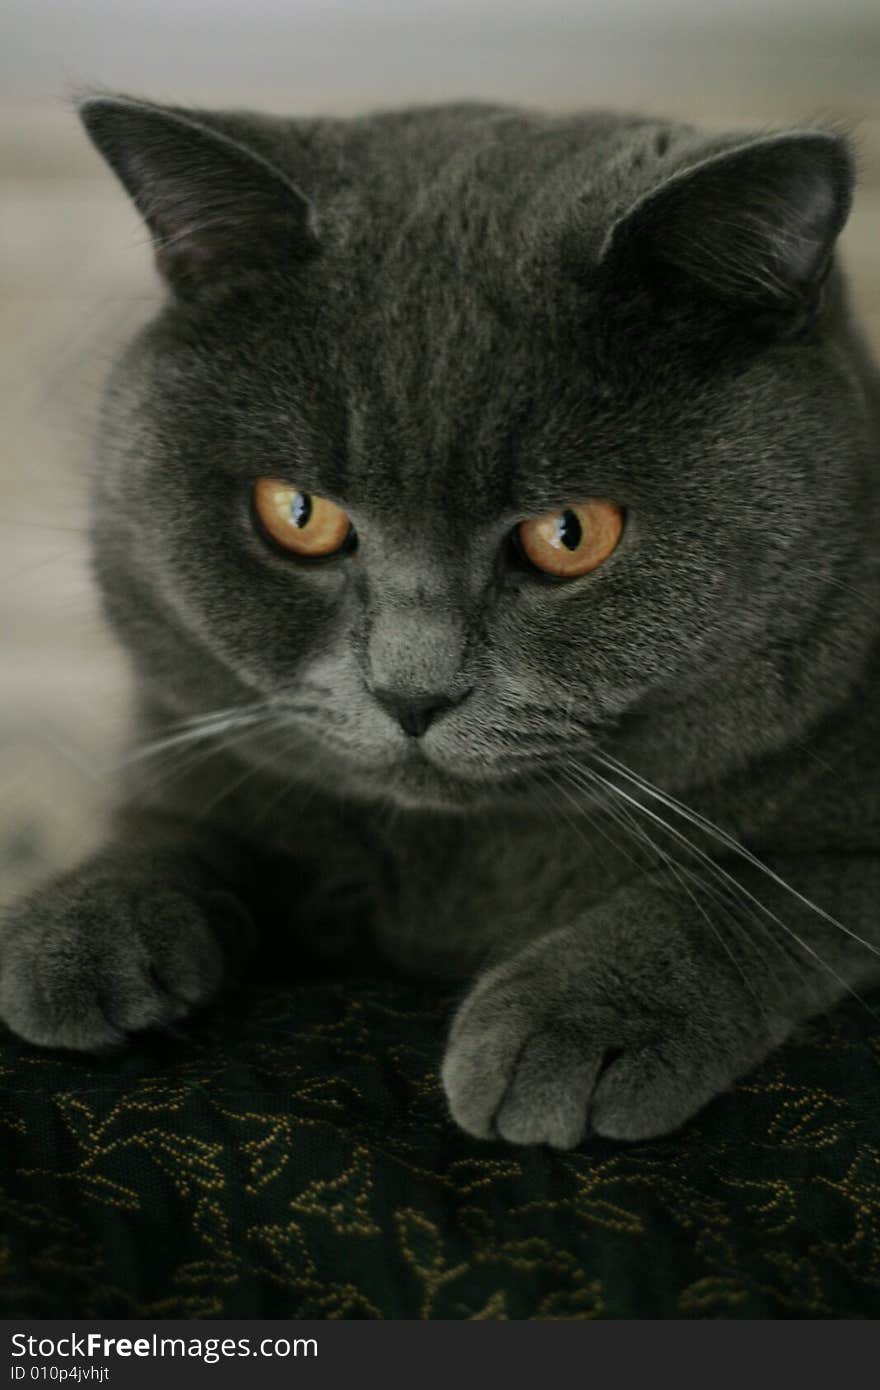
(290, 1155)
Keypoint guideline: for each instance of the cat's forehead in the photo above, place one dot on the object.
(450, 355)
(442, 427)
(447, 391)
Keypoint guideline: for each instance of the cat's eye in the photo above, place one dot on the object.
(574, 540)
(302, 522)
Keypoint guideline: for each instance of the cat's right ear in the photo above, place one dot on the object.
(752, 227)
(217, 211)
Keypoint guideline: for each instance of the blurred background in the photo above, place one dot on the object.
(77, 276)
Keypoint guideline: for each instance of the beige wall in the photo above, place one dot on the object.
(769, 57)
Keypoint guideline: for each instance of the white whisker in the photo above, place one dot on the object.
(731, 843)
(739, 888)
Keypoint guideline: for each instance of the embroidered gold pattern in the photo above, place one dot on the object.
(291, 1156)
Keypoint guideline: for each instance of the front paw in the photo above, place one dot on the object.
(558, 1043)
(117, 946)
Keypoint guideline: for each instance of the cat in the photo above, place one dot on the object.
(490, 515)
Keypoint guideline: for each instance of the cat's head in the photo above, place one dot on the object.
(468, 438)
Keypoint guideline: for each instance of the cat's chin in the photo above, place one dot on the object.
(417, 783)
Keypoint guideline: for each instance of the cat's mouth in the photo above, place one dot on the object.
(420, 778)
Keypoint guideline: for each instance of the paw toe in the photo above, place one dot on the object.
(641, 1096)
(548, 1095)
(476, 1074)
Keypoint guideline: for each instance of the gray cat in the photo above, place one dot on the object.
(491, 518)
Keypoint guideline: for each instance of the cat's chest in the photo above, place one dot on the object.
(438, 896)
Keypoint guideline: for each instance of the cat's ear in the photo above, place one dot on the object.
(215, 208)
(753, 226)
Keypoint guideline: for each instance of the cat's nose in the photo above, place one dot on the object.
(415, 713)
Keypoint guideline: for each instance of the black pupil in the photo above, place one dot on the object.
(570, 531)
(301, 509)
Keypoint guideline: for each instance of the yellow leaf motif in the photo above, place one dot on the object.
(494, 1309)
(468, 1175)
(422, 1248)
(809, 1121)
(587, 1302)
(345, 1200)
(713, 1291)
(268, 1153)
(610, 1216)
(79, 1119)
(421, 1242)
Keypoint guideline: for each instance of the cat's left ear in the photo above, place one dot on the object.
(753, 226)
(216, 209)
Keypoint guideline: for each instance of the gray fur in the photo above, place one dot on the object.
(449, 320)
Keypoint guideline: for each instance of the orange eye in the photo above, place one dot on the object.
(574, 540)
(301, 521)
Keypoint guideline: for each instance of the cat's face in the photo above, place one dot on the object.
(320, 486)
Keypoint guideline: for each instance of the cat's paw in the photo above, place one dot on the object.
(107, 952)
(550, 1051)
